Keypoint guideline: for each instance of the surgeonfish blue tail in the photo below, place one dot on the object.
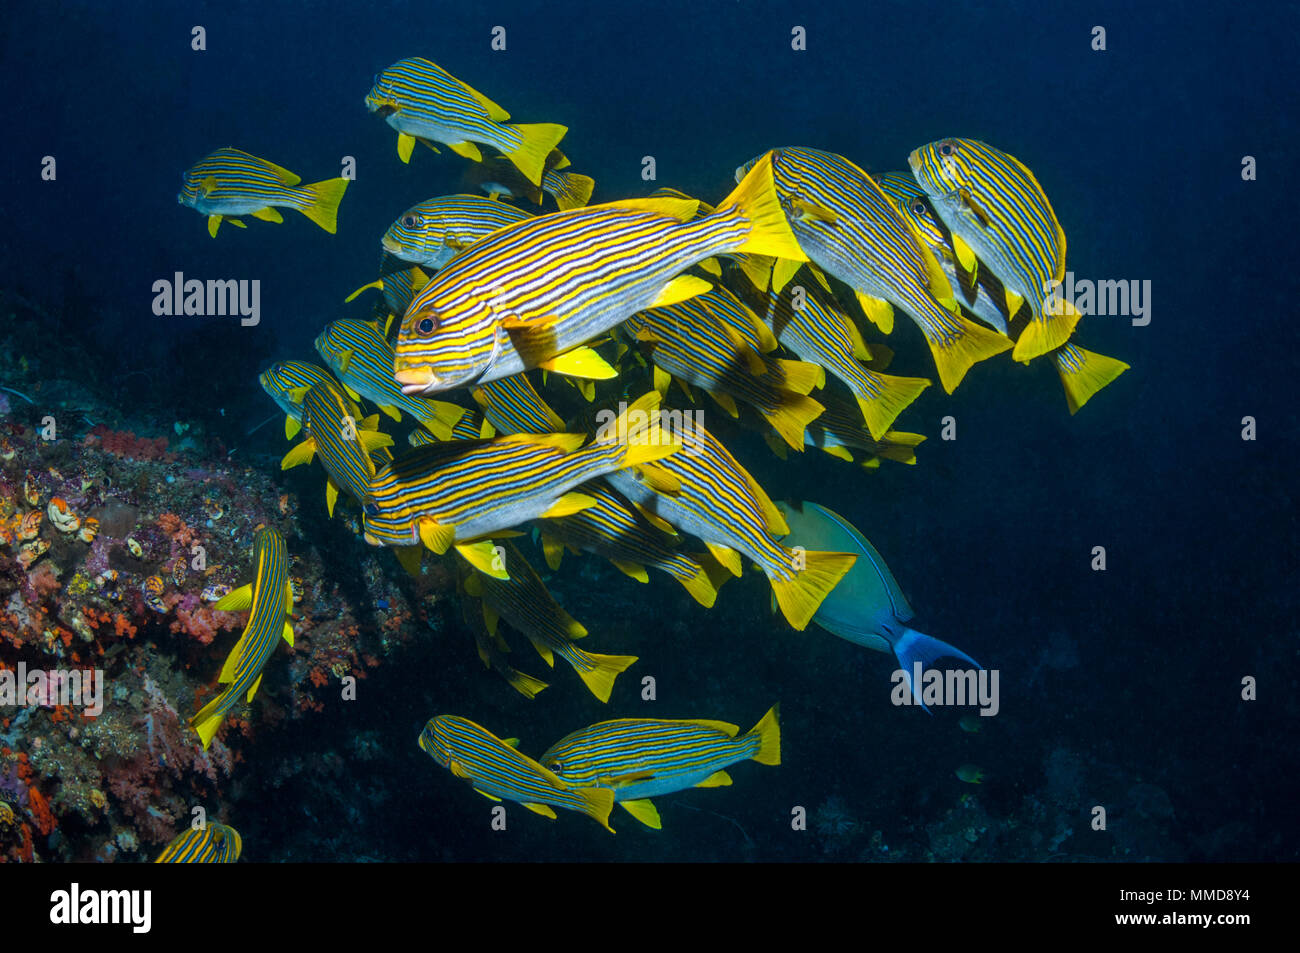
(914, 647)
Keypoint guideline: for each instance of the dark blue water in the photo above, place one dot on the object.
(1139, 148)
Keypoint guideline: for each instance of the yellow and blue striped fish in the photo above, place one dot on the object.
(423, 101)
(718, 501)
(1082, 372)
(524, 601)
(839, 430)
(512, 405)
(756, 268)
(434, 232)
(398, 287)
(287, 384)
(641, 758)
(229, 183)
(690, 342)
(211, 844)
(611, 528)
(336, 431)
(852, 230)
(362, 358)
(271, 599)
(818, 331)
(494, 651)
(996, 209)
(461, 492)
(499, 772)
(974, 294)
(500, 179)
(531, 294)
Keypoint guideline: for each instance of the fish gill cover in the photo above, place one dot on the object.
(685, 329)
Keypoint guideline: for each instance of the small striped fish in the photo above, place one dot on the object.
(973, 294)
(990, 201)
(336, 431)
(434, 232)
(500, 179)
(512, 405)
(461, 492)
(398, 287)
(611, 528)
(641, 758)
(839, 429)
(499, 772)
(229, 183)
(531, 294)
(723, 505)
(287, 384)
(852, 230)
(1082, 373)
(211, 844)
(524, 601)
(423, 101)
(691, 342)
(494, 652)
(359, 354)
(271, 600)
(810, 324)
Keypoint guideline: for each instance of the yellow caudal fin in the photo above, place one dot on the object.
(600, 679)
(525, 684)
(325, 199)
(792, 416)
(768, 733)
(538, 140)
(800, 596)
(701, 588)
(208, 720)
(570, 189)
(894, 394)
(1083, 373)
(1046, 333)
(900, 446)
(756, 199)
(596, 804)
(956, 355)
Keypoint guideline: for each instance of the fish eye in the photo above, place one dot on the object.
(557, 766)
(918, 208)
(370, 509)
(946, 148)
(409, 221)
(426, 326)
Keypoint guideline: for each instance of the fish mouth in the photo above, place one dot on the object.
(914, 160)
(390, 245)
(416, 380)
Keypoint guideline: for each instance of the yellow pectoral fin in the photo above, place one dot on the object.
(541, 809)
(437, 536)
(807, 211)
(457, 770)
(236, 600)
(512, 742)
(965, 257)
(644, 811)
(484, 557)
(581, 362)
(208, 186)
(569, 504)
(345, 361)
(517, 322)
(719, 779)
(974, 206)
(681, 288)
(268, 214)
(405, 146)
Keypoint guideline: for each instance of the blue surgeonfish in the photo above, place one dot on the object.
(867, 607)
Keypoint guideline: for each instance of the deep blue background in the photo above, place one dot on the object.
(1139, 148)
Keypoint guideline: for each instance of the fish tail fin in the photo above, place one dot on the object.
(323, 208)
(791, 417)
(900, 446)
(596, 804)
(801, 595)
(893, 395)
(956, 354)
(208, 720)
(769, 230)
(600, 679)
(768, 733)
(1046, 332)
(569, 189)
(525, 684)
(916, 647)
(536, 142)
(1083, 373)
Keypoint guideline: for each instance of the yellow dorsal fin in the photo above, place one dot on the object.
(681, 209)
(495, 112)
(726, 727)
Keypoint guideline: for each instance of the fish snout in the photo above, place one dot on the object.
(416, 380)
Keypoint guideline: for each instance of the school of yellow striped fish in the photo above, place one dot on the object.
(778, 302)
